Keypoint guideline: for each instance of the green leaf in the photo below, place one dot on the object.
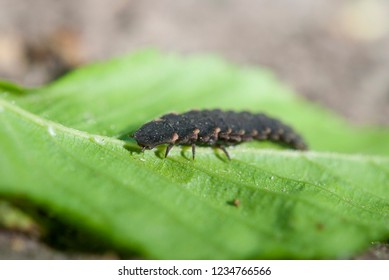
(59, 153)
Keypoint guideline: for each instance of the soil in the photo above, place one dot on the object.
(331, 52)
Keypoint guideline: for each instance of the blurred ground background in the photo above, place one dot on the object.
(332, 52)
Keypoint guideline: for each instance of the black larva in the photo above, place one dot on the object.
(215, 128)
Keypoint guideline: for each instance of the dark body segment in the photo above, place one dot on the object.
(215, 128)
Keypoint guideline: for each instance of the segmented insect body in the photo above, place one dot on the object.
(215, 128)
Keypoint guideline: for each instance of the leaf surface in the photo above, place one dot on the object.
(59, 153)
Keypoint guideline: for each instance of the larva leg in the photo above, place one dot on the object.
(193, 151)
(168, 148)
(224, 150)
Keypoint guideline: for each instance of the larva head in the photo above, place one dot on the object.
(155, 133)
